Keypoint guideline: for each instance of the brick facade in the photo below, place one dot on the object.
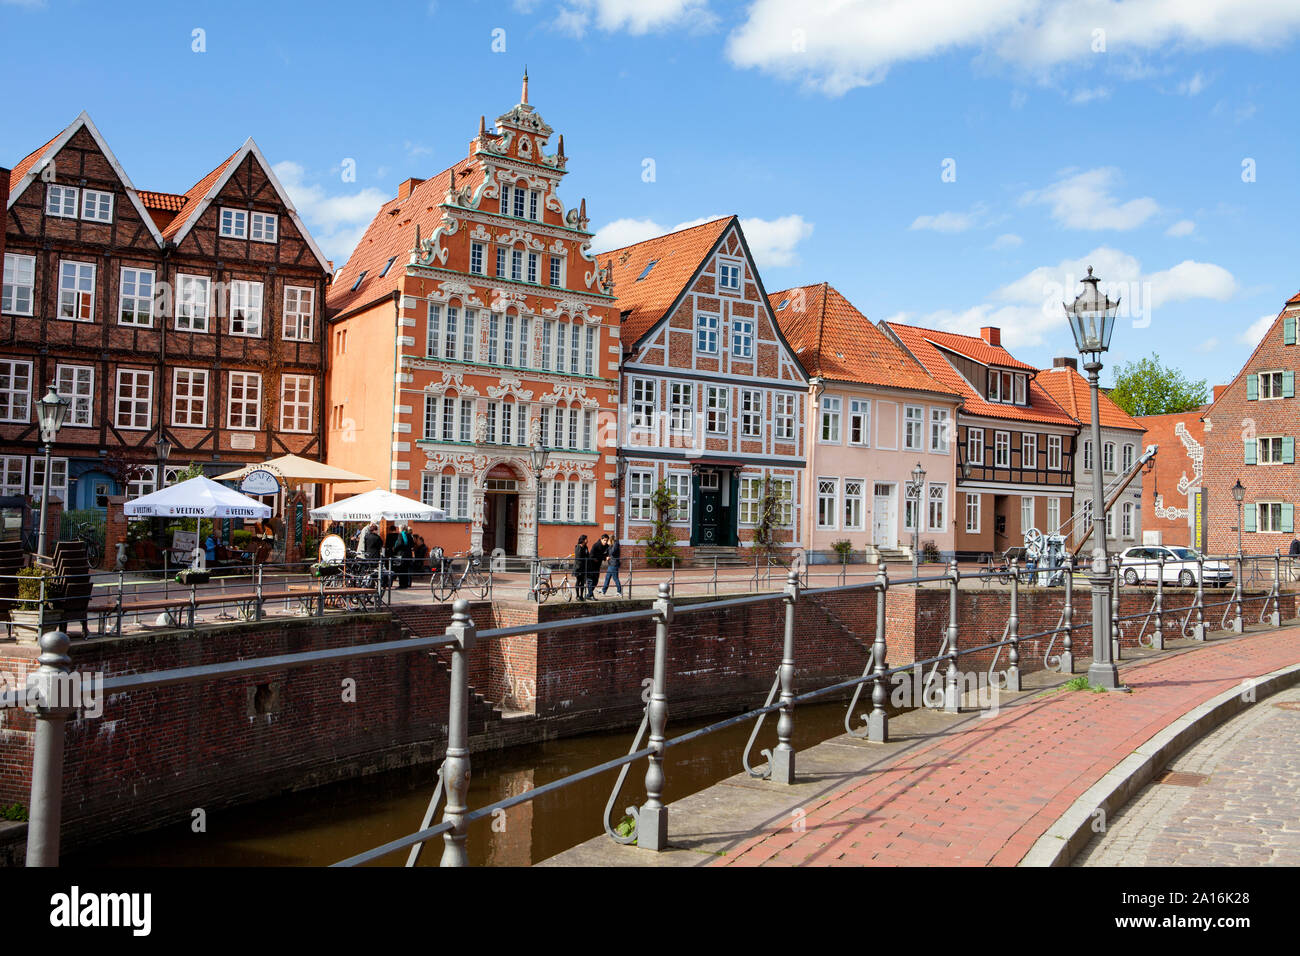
(1171, 481)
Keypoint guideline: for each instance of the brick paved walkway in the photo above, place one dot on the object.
(1239, 806)
(985, 795)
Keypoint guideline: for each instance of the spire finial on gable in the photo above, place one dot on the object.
(524, 95)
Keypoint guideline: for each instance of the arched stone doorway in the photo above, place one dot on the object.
(506, 509)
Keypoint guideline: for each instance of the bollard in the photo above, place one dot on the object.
(1067, 623)
(783, 755)
(1158, 638)
(952, 686)
(652, 821)
(51, 684)
(455, 768)
(878, 721)
(1013, 632)
(1238, 624)
(1115, 650)
(1198, 629)
(1275, 619)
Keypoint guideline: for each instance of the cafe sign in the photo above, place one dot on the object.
(260, 482)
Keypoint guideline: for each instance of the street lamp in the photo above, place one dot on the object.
(1238, 494)
(914, 491)
(164, 450)
(50, 414)
(1092, 320)
(537, 455)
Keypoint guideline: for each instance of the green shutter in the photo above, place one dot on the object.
(1288, 450)
(1249, 515)
(1288, 517)
(1288, 384)
(1250, 451)
(1252, 387)
(1288, 330)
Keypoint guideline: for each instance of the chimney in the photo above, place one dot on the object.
(1218, 390)
(408, 187)
(991, 334)
(1065, 361)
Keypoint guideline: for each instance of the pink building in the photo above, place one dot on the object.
(874, 414)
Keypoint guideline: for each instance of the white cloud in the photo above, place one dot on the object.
(1183, 227)
(1255, 331)
(634, 16)
(1090, 94)
(837, 45)
(1008, 240)
(337, 222)
(1193, 86)
(1083, 200)
(772, 241)
(1209, 345)
(944, 222)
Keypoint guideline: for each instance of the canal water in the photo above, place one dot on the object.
(327, 824)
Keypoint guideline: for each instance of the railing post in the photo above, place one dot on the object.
(320, 606)
(878, 720)
(652, 820)
(1198, 629)
(715, 575)
(1067, 622)
(1116, 652)
(1238, 625)
(783, 755)
(1158, 638)
(1013, 632)
(952, 686)
(1275, 619)
(257, 573)
(455, 768)
(51, 686)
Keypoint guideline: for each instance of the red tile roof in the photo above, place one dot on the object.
(1069, 389)
(834, 340)
(24, 165)
(677, 257)
(194, 197)
(972, 346)
(167, 202)
(921, 343)
(392, 233)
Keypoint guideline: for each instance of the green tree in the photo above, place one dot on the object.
(1146, 387)
(661, 546)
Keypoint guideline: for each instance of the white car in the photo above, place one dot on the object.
(1142, 564)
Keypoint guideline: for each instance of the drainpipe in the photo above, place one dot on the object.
(397, 371)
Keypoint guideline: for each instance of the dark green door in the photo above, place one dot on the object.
(710, 515)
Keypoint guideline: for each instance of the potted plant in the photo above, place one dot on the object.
(193, 576)
(325, 569)
(26, 614)
(843, 549)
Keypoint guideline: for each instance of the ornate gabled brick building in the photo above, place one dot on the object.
(1018, 443)
(1173, 479)
(193, 317)
(874, 415)
(470, 322)
(712, 395)
(1250, 435)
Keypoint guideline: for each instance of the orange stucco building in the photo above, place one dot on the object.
(471, 322)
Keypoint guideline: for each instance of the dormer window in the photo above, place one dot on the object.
(1007, 388)
(646, 271)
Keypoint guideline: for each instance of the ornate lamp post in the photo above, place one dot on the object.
(1238, 495)
(1092, 320)
(537, 458)
(164, 450)
(50, 414)
(915, 487)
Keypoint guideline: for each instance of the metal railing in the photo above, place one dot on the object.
(648, 823)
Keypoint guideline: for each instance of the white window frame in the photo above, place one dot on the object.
(58, 486)
(679, 485)
(855, 504)
(12, 394)
(742, 338)
(706, 333)
(1053, 515)
(717, 404)
(972, 512)
(1108, 457)
(730, 267)
(828, 503)
(298, 322)
(1026, 513)
(1001, 449)
(975, 446)
(681, 410)
(140, 305)
(785, 417)
(913, 428)
(63, 202)
(296, 404)
(751, 413)
(477, 258)
(13, 474)
(188, 306)
(136, 376)
(232, 223)
(1029, 451)
(859, 422)
(643, 405)
(937, 495)
(1270, 508)
(1087, 454)
(246, 297)
(79, 389)
(76, 290)
(1054, 443)
(640, 489)
(828, 428)
(264, 227)
(1126, 520)
(190, 419)
(96, 205)
(1127, 455)
(243, 402)
(1268, 393)
(940, 425)
(1264, 449)
(14, 288)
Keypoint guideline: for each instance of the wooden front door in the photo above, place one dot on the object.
(709, 512)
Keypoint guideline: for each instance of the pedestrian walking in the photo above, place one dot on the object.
(581, 556)
(372, 545)
(598, 552)
(612, 568)
(403, 547)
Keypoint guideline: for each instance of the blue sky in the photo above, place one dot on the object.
(947, 167)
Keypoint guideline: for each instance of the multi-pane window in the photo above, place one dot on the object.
(508, 422)
(859, 422)
(828, 492)
(133, 407)
(1270, 517)
(571, 498)
(299, 311)
(751, 413)
(433, 332)
(450, 331)
(61, 201)
(77, 291)
(681, 408)
(939, 431)
(679, 486)
(1108, 456)
(643, 404)
(1028, 450)
(189, 397)
(525, 341)
(751, 490)
(501, 262)
(548, 334)
(19, 281)
(244, 401)
(830, 430)
(469, 338)
(1126, 520)
(517, 264)
(508, 339)
(519, 196)
(58, 478)
(494, 339)
(938, 506)
(264, 226)
(476, 255)
(296, 392)
(77, 384)
(1054, 452)
(913, 425)
(1271, 385)
(975, 446)
(15, 390)
(533, 197)
(1020, 390)
(1110, 523)
(574, 345)
(729, 276)
(193, 303)
(589, 351)
(234, 223)
(854, 503)
(1053, 515)
(742, 338)
(715, 410)
(1001, 449)
(783, 490)
(573, 427)
(1270, 450)
(1128, 457)
(12, 474)
(972, 512)
(144, 481)
(784, 417)
(135, 305)
(245, 308)
(96, 205)
(706, 333)
(555, 271)
(1026, 513)
(1087, 456)
(532, 267)
(911, 508)
(639, 489)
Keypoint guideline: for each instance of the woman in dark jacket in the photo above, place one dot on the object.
(581, 558)
(598, 552)
(403, 546)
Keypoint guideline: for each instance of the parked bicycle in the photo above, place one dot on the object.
(547, 587)
(450, 577)
(93, 536)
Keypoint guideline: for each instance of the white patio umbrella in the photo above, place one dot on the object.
(377, 505)
(197, 498)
